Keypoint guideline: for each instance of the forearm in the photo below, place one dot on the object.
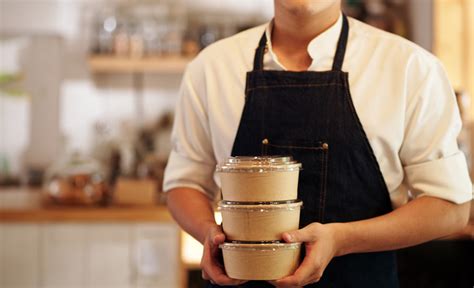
(192, 210)
(421, 220)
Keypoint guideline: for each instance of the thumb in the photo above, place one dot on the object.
(305, 234)
(217, 236)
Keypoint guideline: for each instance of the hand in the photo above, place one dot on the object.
(212, 268)
(321, 244)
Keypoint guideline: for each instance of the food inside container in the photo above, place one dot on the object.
(258, 179)
(260, 261)
(260, 221)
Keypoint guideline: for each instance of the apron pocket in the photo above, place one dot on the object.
(312, 186)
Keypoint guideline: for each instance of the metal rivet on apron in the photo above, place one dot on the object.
(325, 146)
(265, 141)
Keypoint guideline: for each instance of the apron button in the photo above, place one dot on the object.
(265, 141)
(325, 146)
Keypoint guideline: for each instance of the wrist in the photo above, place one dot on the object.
(341, 238)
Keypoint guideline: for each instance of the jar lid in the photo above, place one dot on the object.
(258, 164)
(259, 206)
(260, 246)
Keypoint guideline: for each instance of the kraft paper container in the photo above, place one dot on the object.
(260, 261)
(259, 179)
(259, 222)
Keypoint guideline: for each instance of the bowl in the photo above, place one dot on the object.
(260, 261)
(259, 179)
(264, 221)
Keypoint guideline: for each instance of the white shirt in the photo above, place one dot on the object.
(400, 92)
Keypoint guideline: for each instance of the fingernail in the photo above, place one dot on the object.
(289, 237)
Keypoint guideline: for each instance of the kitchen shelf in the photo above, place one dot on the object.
(27, 205)
(158, 64)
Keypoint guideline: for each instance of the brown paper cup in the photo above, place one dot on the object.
(259, 222)
(260, 261)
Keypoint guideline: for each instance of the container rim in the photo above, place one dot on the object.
(259, 206)
(258, 164)
(255, 168)
(260, 246)
(259, 159)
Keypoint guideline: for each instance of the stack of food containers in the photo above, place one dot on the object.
(259, 204)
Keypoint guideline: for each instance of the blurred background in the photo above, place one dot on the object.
(87, 93)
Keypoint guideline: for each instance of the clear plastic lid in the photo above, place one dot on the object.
(259, 206)
(258, 164)
(260, 246)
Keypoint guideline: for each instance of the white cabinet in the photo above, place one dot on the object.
(89, 255)
(63, 248)
(108, 257)
(19, 247)
(155, 252)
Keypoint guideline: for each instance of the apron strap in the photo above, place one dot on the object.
(259, 53)
(338, 57)
(341, 45)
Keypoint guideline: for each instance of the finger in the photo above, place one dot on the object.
(213, 270)
(291, 282)
(306, 234)
(218, 238)
(204, 275)
(211, 266)
(224, 280)
(303, 274)
(273, 282)
(215, 255)
(218, 275)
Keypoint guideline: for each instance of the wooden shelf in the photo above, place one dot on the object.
(25, 205)
(114, 64)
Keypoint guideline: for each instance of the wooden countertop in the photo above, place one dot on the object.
(25, 205)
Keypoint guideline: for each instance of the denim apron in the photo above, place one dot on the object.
(310, 116)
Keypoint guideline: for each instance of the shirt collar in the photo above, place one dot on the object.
(322, 47)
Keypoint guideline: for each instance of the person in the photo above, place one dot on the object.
(380, 106)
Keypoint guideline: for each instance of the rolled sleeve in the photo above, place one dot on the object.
(445, 178)
(433, 164)
(192, 162)
(184, 172)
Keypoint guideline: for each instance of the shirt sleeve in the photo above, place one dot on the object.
(433, 164)
(191, 163)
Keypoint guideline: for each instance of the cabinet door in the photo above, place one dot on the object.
(155, 255)
(63, 255)
(108, 256)
(19, 255)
